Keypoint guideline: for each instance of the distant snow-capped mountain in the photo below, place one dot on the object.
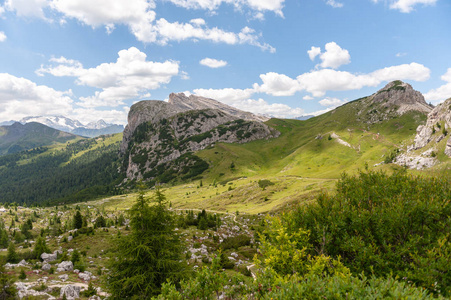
(62, 123)
(56, 122)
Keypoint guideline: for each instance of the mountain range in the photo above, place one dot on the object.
(196, 138)
(69, 125)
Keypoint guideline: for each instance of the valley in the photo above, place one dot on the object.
(256, 204)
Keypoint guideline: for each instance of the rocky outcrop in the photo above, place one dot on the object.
(396, 98)
(436, 129)
(71, 291)
(159, 133)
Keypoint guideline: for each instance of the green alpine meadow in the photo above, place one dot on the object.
(198, 200)
(225, 149)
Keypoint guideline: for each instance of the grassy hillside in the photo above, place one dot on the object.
(71, 172)
(18, 137)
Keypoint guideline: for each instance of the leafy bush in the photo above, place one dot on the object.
(385, 224)
(234, 242)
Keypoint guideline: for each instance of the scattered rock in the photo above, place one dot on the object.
(65, 266)
(49, 257)
(46, 267)
(63, 277)
(71, 292)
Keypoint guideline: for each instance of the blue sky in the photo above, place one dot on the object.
(92, 59)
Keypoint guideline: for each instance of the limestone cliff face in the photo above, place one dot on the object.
(396, 98)
(437, 128)
(161, 136)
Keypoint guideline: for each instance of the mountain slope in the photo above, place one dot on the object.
(18, 137)
(159, 133)
(62, 123)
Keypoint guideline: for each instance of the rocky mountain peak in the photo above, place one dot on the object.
(194, 102)
(437, 128)
(402, 96)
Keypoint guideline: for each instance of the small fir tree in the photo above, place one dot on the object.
(78, 220)
(40, 247)
(150, 255)
(12, 256)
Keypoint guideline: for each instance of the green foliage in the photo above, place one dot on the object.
(90, 291)
(100, 222)
(150, 254)
(264, 183)
(208, 283)
(12, 256)
(22, 274)
(391, 156)
(385, 224)
(40, 247)
(78, 220)
(7, 287)
(57, 176)
(234, 242)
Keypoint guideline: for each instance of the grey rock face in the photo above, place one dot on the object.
(46, 267)
(49, 257)
(448, 147)
(395, 99)
(65, 266)
(71, 292)
(439, 120)
(160, 132)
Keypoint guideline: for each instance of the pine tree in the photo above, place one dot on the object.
(150, 255)
(12, 256)
(7, 287)
(78, 220)
(40, 247)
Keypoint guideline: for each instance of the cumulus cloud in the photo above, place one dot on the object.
(131, 76)
(278, 84)
(27, 8)
(240, 98)
(275, 6)
(228, 96)
(86, 115)
(2, 36)
(333, 57)
(334, 3)
(140, 17)
(441, 93)
(314, 52)
(262, 107)
(331, 102)
(20, 97)
(213, 63)
(318, 82)
(407, 6)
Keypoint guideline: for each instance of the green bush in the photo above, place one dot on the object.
(385, 224)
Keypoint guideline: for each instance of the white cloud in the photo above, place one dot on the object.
(334, 3)
(331, 102)
(333, 57)
(86, 115)
(20, 97)
(2, 36)
(129, 77)
(401, 54)
(228, 96)
(314, 52)
(140, 17)
(318, 82)
(106, 12)
(213, 63)
(27, 8)
(278, 84)
(260, 106)
(406, 6)
(275, 6)
(441, 93)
